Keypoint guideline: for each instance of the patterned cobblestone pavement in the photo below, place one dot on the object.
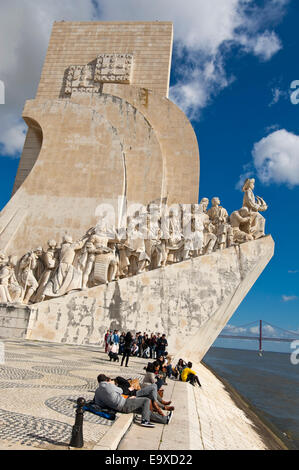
(41, 383)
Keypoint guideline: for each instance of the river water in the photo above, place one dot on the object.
(270, 383)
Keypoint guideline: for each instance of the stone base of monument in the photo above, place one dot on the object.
(14, 320)
(190, 302)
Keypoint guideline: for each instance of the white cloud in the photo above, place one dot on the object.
(204, 32)
(12, 138)
(263, 46)
(234, 329)
(289, 298)
(277, 94)
(276, 158)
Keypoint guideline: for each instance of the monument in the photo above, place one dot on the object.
(104, 228)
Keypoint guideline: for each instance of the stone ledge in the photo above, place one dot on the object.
(115, 434)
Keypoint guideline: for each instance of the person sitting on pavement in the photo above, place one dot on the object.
(113, 353)
(179, 367)
(170, 372)
(188, 375)
(109, 395)
(163, 368)
(151, 378)
(150, 390)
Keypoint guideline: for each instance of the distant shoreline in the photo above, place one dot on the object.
(269, 434)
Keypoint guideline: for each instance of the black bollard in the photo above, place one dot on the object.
(77, 431)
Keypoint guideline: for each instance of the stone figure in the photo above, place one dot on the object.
(14, 287)
(40, 267)
(155, 246)
(203, 205)
(3, 259)
(219, 218)
(136, 251)
(175, 242)
(210, 239)
(193, 242)
(217, 213)
(27, 266)
(240, 218)
(4, 281)
(255, 205)
(10, 289)
(67, 277)
(202, 219)
(98, 263)
(123, 259)
(50, 261)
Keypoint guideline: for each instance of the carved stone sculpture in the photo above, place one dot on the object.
(240, 218)
(100, 259)
(175, 242)
(67, 277)
(28, 264)
(153, 237)
(50, 260)
(137, 254)
(4, 280)
(14, 287)
(255, 205)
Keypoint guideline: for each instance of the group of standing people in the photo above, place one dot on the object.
(139, 345)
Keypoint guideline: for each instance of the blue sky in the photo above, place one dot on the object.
(233, 65)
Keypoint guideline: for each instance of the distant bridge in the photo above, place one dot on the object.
(257, 333)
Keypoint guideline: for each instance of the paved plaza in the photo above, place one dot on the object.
(41, 382)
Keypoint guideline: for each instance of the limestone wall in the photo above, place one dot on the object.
(78, 43)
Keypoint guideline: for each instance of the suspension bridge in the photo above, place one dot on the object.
(259, 330)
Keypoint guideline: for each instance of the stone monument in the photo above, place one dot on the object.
(104, 228)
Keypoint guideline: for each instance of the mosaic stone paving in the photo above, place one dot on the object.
(40, 384)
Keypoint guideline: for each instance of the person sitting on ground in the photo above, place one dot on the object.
(170, 372)
(188, 375)
(179, 368)
(132, 388)
(151, 378)
(163, 368)
(108, 395)
(135, 349)
(113, 353)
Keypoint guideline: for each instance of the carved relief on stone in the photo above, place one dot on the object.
(152, 237)
(108, 68)
(114, 68)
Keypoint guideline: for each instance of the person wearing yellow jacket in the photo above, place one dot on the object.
(188, 375)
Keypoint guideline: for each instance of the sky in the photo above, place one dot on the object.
(233, 66)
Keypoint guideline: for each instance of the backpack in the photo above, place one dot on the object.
(97, 410)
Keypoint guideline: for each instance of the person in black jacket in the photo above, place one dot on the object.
(127, 348)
